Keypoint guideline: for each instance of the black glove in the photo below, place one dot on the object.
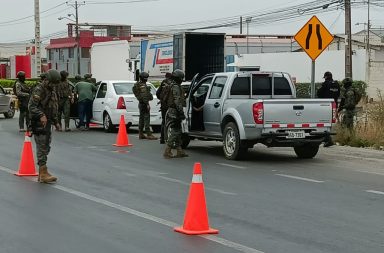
(182, 116)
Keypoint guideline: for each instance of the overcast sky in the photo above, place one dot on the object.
(165, 12)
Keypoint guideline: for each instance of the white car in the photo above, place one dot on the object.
(115, 98)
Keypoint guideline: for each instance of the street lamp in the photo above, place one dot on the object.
(248, 20)
(76, 21)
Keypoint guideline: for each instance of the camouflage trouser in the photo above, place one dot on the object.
(24, 115)
(174, 125)
(43, 145)
(64, 109)
(144, 118)
(348, 119)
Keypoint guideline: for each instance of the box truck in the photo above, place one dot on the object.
(189, 51)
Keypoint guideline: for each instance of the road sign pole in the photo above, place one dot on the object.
(313, 80)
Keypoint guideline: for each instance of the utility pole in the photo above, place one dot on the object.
(368, 72)
(76, 5)
(37, 39)
(248, 20)
(241, 25)
(348, 41)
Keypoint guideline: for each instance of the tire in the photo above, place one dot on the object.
(234, 148)
(107, 124)
(11, 112)
(306, 151)
(156, 128)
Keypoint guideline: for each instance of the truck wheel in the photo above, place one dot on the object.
(306, 151)
(233, 147)
(11, 112)
(107, 124)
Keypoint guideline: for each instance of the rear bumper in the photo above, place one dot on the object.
(276, 139)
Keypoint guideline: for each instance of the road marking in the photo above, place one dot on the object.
(219, 240)
(300, 178)
(369, 172)
(233, 166)
(187, 184)
(375, 192)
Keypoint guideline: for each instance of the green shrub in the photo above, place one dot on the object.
(8, 83)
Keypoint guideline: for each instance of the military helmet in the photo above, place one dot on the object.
(20, 74)
(53, 76)
(347, 81)
(178, 75)
(88, 75)
(64, 74)
(43, 75)
(144, 75)
(78, 77)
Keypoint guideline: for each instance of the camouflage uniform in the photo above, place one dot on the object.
(165, 84)
(348, 103)
(143, 94)
(175, 114)
(22, 93)
(64, 94)
(43, 102)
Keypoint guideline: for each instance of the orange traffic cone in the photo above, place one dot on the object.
(196, 214)
(27, 163)
(122, 136)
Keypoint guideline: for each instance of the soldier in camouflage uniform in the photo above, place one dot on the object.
(22, 92)
(143, 94)
(161, 93)
(43, 107)
(348, 104)
(65, 96)
(175, 114)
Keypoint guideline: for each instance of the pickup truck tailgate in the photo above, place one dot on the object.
(297, 111)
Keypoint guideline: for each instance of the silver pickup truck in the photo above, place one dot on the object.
(245, 108)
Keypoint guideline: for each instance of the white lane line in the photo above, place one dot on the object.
(187, 184)
(300, 178)
(233, 166)
(370, 172)
(219, 240)
(375, 192)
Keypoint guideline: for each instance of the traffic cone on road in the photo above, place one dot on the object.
(196, 214)
(27, 163)
(122, 135)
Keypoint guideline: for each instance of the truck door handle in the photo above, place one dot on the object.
(217, 104)
(298, 107)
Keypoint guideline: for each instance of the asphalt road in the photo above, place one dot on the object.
(129, 199)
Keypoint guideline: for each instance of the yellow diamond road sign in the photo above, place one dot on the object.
(314, 37)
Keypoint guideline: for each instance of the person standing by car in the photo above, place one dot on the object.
(143, 94)
(43, 107)
(65, 96)
(161, 93)
(85, 91)
(329, 89)
(175, 114)
(348, 103)
(22, 91)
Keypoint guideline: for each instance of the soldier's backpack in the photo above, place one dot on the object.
(358, 95)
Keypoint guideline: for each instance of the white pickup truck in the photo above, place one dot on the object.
(245, 108)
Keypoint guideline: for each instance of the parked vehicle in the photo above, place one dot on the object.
(7, 104)
(189, 51)
(111, 61)
(245, 108)
(115, 98)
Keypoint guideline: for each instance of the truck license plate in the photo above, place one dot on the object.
(296, 135)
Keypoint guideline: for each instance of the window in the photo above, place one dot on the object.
(102, 91)
(126, 88)
(2, 92)
(218, 87)
(85, 53)
(281, 86)
(241, 86)
(261, 85)
(61, 54)
(51, 54)
(71, 52)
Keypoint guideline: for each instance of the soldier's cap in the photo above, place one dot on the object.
(327, 74)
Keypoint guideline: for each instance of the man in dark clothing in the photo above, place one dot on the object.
(348, 104)
(160, 94)
(43, 107)
(22, 92)
(64, 93)
(329, 89)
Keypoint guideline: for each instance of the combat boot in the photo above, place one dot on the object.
(180, 153)
(151, 137)
(44, 176)
(168, 152)
(141, 135)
